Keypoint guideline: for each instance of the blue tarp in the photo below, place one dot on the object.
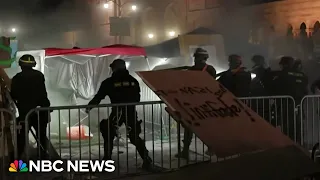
(14, 47)
(171, 48)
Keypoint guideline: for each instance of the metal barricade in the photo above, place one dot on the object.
(279, 111)
(75, 135)
(309, 119)
(8, 148)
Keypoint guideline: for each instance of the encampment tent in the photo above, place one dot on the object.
(178, 51)
(73, 77)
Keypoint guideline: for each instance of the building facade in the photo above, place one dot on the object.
(292, 22)
(284, 23)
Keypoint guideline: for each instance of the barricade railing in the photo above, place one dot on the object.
(72, 134)
(279, 111)
(310, 120)
(8, 148)
(76, 135)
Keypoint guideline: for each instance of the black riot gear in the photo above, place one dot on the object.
(236, 79)
(121, 87)
(260, 84)
(200, 58)
(118, 64)
(28, 90)
(27, 60)
(235, 61)
(286, 62)
(200, 55)
(297, 65)
(315, 85)
(260, 87)
(289, 82)
(258, 61)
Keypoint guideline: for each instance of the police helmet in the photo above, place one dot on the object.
(234, 60)
(118, 64)
(297, 65)
(286, 61)
(27, 60)
(201, 53)
(258, 61)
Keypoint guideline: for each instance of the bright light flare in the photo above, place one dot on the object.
(106, 5)
(172, 33)
(253, 76)
(127, 64)
(134, 7)
(162, 61)
(150, 36)
(13, 30)
(219, 70)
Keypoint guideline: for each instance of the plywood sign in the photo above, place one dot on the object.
(215, 115)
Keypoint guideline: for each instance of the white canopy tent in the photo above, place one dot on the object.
(73, 79)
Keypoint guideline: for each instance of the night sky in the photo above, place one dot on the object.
(31, 15)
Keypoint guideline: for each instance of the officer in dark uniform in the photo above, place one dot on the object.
(315, 86)
(121, 87)
(297, 65)
(236, 79)
(260, 86)
(200, 58)
(289, 82)
(28, 90)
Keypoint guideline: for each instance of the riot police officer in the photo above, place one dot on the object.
(236, 79)
(260, 86)
(121, 87)
(289, 82)
(200, 58)
(315, 86)
(297, 65)
(28, 90)
(260, 83)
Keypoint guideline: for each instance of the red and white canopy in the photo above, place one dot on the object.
(106, 50)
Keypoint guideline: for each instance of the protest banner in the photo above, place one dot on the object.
(215, 115)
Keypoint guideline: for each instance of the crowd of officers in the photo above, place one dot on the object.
(121, 87)
(288, 81)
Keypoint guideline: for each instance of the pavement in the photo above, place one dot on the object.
(128, 163)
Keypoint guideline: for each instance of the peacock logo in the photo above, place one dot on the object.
(18, 166)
